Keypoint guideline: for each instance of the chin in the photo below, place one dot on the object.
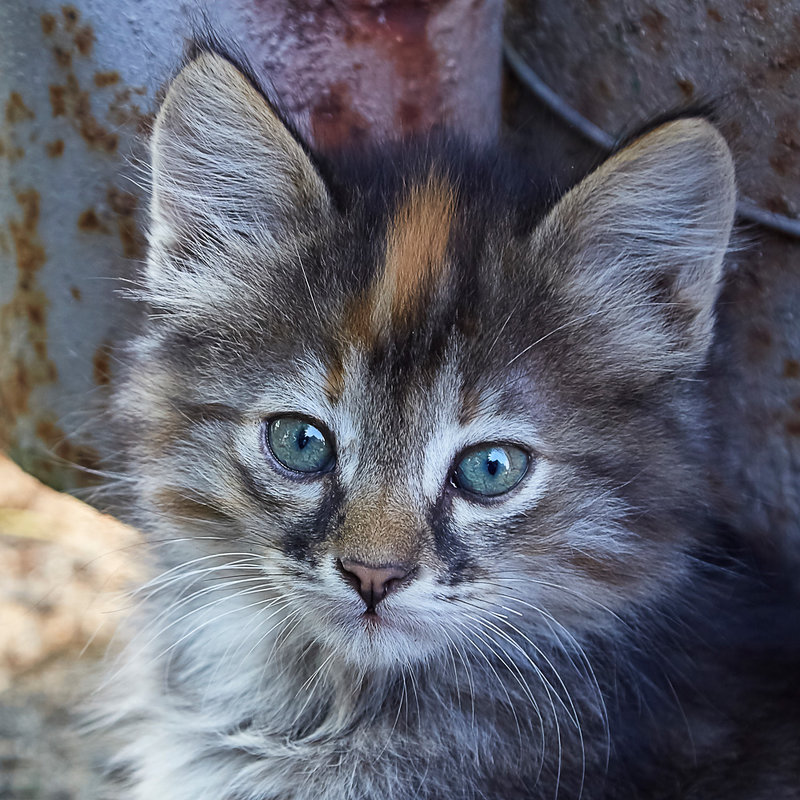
(381, 639)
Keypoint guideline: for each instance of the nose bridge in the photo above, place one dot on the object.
(381, 530)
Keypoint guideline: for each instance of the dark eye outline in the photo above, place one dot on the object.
(489, 499)
(276, 463)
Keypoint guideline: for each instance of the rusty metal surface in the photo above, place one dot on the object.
(357, 69)
(621, 64)
(77, 90)
(71, 106)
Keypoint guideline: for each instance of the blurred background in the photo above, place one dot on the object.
(79, 85)
(64, 569)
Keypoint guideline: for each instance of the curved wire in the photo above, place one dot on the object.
(746, 209)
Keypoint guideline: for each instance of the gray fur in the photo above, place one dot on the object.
(250, 674)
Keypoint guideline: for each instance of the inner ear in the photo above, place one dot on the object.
(224, 162)
(640, 242)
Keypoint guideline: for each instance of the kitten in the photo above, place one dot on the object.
(422, 451)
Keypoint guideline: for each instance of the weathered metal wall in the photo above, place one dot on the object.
(367, 69)
(78, 86)
(620, 64)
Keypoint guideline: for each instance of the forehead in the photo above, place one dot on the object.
(414, 263)
(411, 286)
(412, 279)
(407, 362)
(417, 298)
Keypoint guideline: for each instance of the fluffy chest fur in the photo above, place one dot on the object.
(421, 450)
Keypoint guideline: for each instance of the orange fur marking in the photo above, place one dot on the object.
(334, 380)
(415, 251)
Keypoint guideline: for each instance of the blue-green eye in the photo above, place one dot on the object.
(491, 469)
(299, 445)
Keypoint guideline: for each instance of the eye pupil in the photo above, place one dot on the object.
(299, 445)
(490, 470)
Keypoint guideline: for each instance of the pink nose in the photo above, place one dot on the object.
(373, 583)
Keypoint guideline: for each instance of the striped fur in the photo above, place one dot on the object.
(419, 300)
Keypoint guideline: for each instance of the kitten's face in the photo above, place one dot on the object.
(429, 412)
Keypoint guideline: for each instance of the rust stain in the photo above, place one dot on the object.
(58, 102)
(90, 129)
(71, 16)
(122, 110)
(11, 151)
(24, 310)
(758, 343)
(410, 115)
(84, 40)
(785, 158)
(63, 57)
(55, 149)
(48, 23)
(71, 101)
(102, 79)
(654, 21)
(758, 9)
(400, 30)
(124, 205)
(334, 120)
(686, 87)
(30, 252)
(16, 110)
(29, 364)
(603, 89)
(68, 99)
(793, 427)
(89, 222)
(714, 15)
(791, 368)
(778, 204)
(101, 365)
(787, 60)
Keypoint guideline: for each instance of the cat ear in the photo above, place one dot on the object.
(229, 180)
(638, 245)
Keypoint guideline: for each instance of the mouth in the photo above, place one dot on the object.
(372, 620)
(381, 638)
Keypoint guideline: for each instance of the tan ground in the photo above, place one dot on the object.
(63, 571)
